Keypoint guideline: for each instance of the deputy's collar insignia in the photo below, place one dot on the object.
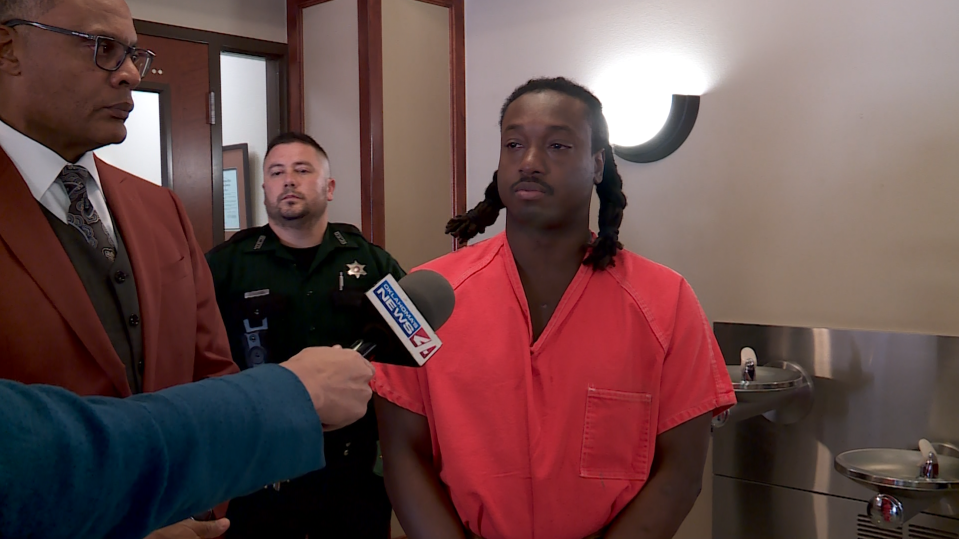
(259, 243)
(339, 237)
(356, 269)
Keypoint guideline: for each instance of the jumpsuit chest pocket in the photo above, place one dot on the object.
(617, 435)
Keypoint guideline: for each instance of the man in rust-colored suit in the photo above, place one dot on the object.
(103, 287)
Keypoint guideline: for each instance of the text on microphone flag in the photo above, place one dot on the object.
(409, 325)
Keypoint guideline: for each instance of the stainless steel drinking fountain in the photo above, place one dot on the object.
(906, 482)
(839, 460)
(780, 391)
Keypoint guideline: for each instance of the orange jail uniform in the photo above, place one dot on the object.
(552, 439)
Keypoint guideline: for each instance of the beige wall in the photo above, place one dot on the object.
(261, 19)
(416, 130)
(820, 183)
(331, 73)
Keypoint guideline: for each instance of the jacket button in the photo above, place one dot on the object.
(120, 277)
(140, 365)
(134, 320)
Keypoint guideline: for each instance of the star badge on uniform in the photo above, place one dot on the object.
(356, 269)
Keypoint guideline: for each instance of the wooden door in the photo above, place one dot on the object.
(182, 68)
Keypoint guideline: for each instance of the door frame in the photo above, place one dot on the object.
(277, 57)
(370, 50)
(166, 131)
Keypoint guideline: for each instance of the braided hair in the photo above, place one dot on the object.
(612, 201)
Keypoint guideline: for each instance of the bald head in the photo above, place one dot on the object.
(24, 9)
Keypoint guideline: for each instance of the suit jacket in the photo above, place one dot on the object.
(181, 450)
(49, 330)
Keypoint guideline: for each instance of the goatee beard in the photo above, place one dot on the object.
(302, 220)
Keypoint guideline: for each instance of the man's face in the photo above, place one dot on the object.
(66, 101)
(296, 184)
(547, 168)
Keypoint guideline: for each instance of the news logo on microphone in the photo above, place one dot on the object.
(404, 319)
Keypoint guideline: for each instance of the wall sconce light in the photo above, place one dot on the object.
(678, 125)
(651, 102)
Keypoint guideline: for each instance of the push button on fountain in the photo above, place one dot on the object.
(930, 468)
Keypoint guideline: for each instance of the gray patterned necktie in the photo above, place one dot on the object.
(81, 214)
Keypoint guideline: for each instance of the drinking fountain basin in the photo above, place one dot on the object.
(770, 383)
(780, 391)
(897, 476)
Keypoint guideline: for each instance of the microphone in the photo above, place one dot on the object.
(404, 318)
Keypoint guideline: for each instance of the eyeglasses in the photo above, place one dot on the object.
(109, 53)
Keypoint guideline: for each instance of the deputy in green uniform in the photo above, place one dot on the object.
(298, 282)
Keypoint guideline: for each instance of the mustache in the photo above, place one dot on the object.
(532, 179)
(290, 192)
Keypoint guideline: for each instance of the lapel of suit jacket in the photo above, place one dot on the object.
(131, 219)
(32, 241)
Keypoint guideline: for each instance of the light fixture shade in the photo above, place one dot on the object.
(682, 117)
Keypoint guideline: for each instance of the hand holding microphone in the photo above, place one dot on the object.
(338, 382)
(403, 317)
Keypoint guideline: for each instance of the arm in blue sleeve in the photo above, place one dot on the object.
(120, 468)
